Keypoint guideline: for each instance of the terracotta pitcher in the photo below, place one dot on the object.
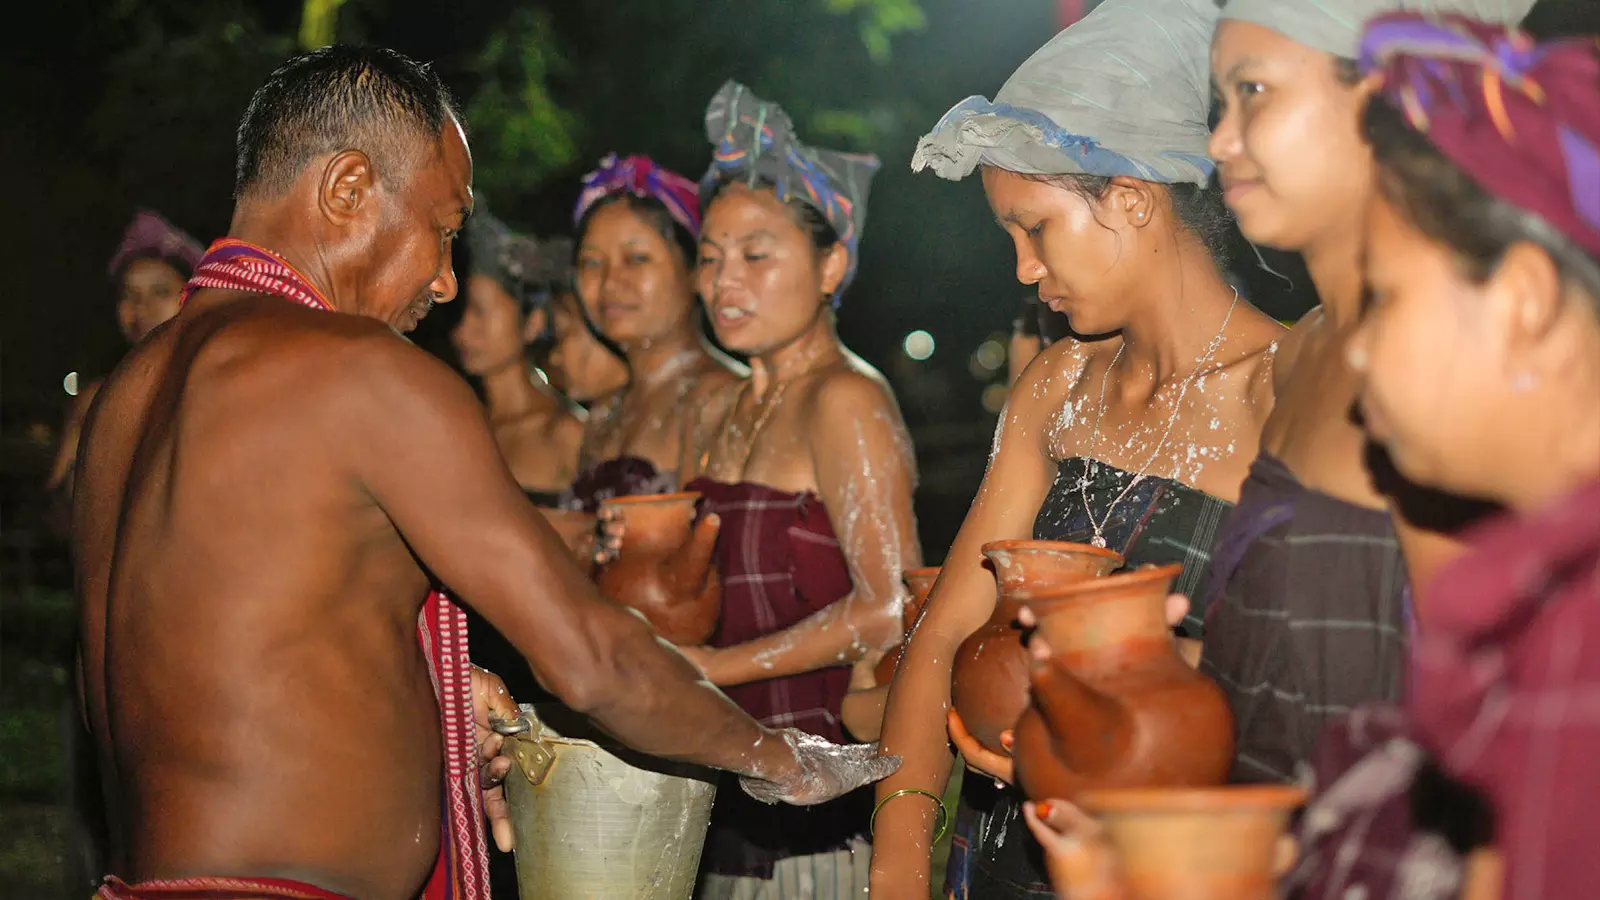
(576, 529)
(1116, 705)
(920, 582)
(989, 681)
(664, 569)
(1180, 844)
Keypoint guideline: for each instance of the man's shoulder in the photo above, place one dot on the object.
(315, 356)
(246, 323)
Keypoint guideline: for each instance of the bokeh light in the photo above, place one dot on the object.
(919, 345)
(994, 398)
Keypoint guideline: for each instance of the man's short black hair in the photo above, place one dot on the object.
(338, 98)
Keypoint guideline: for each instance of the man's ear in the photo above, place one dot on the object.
(348, 190)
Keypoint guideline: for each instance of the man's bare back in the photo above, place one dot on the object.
(250, 612)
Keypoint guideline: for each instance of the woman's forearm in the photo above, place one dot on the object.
(838, 635)
(914, 724)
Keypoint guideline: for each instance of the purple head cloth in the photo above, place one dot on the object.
(1522, 119)
(150, 235)
(641, 177)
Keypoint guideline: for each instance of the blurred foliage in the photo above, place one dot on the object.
(35, 649)
(543, 83)
(881, 20)
(520, 135)
(144, 122)
(319, 23)
(552, 91)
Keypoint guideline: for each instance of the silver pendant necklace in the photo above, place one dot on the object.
(1099, 539)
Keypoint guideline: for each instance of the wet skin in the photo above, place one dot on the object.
(262, 487)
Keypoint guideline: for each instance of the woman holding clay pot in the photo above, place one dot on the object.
(1136, 438)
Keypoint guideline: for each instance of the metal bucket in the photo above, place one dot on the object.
(594, 823)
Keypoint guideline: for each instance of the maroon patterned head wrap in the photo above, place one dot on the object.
(1522, 119)
(149, 235)
(642, 177)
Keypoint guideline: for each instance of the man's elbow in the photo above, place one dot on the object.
(599, 680)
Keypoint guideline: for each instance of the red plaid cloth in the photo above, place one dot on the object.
(1506, 688)
(780, 562)
(1383, 822)
(213, 889)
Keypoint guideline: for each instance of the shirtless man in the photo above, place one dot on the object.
(265, 489)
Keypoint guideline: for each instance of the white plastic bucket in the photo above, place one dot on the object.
(598, 827)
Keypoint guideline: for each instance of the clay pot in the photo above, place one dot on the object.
(989, 679)
(575, 528)
(663, 568)
(1217, 844)
(1116, 705)
(1026, 568)
(920, 582)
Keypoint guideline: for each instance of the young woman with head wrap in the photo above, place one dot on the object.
(1477, 365)
(1093, 161)
(809, 467)
(149, 270)
(637, 224)
(512, 288)
(1310, 593)
(511, 285)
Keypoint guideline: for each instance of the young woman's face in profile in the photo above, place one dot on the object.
(760, 275)
(633, 282)
(147, 295)
(1287, 144)
(1431, 364)
(1067, 245)
(579, 365)
(490, 335)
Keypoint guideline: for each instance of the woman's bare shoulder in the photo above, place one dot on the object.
(1294, 340)
(853, 384)
(1048, 379)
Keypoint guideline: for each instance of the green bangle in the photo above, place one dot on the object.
(942, 822)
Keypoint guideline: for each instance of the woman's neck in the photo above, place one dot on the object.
(1183, 314)
(1557, 449)
(1334, 262)
(814, 348)
(510, 392)
(658, 360)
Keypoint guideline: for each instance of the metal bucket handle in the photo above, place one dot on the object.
(525, 737)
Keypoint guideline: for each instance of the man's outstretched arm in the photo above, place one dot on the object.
(420, 444)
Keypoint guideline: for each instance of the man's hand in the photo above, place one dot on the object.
(979, 758)
(490, 698)
(823, 770)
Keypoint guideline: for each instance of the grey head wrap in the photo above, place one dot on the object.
(530, 270)
(1334, 26)
(1124, 91)
(754, 140)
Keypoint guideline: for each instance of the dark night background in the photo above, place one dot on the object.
(119, 105)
